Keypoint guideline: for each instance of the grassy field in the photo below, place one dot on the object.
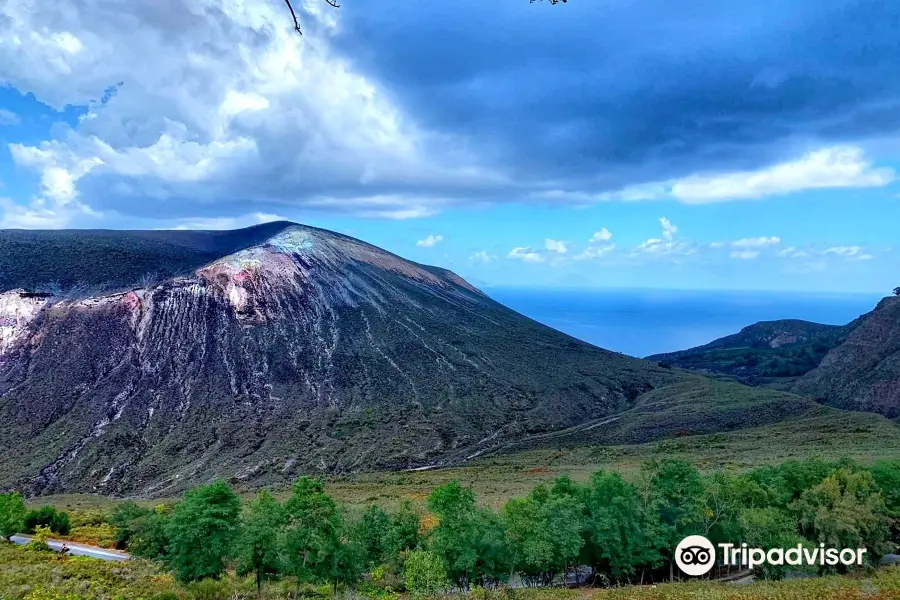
(30, 575)
(828, 433)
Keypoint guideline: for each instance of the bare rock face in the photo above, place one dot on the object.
(305, 351)
(863, 372)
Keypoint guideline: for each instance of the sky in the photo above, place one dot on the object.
(715, 144)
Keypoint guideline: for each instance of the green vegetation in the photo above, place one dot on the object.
(625, 530)
(202, 530)
(47, 516)
(12, 514)
(43, 576)
(764, 351)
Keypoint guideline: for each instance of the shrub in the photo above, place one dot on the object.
(208, 589)
(12, 514)
(47, 516)
(424, 574)
(39, 543)
(43, 594)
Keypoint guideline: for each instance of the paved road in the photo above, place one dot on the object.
(77, 549)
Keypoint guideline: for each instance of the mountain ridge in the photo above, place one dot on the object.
(852, 367)
(863, 372)
(306, 351)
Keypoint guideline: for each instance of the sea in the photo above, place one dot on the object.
(645, 322)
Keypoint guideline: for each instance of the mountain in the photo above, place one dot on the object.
(763, 352)
(144, 362)
(863, 372)
(852, 367)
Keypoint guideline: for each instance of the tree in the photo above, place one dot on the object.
(469, 541)
(675, 498)
(47, 516)
(312, 534)
(786, 482)
(345, 562)
(257, 546)
(202, 531)
(371, 534)
(126, 518)
(424, 575)
(769, 528)
(491, 554)
(403, 534)
(12, 514)
(528, 540)
(886, 474)
(332, 3)
(846, 510)
(618, 531)
(544, 532)
(150, 538)
(454, 537)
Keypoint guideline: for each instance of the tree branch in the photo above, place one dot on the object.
(294, 16)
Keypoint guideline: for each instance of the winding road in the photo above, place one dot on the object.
(77, 549)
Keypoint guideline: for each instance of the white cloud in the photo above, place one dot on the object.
(7, 117)
(526, 255)
(223, 223)
(220, 101)
(482, 256)
(756, 242)
(555, 246)
(668, 229)
(826, 168)
(601, 236)
(834, 167)
(430, 241)
(745, 254)
(655, 246)
(844, 250)
(595, 251)
(853, 252)
(792, 252)
(666, 244)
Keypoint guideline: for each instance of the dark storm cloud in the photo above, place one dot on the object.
(622, 92)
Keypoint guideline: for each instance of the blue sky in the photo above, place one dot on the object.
(713, 145)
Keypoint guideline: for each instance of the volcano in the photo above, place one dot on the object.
(145, 362)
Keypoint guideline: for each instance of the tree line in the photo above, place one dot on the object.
(624, 531)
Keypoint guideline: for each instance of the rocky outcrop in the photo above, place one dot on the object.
(863, 372)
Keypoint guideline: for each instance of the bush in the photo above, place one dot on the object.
(47, 516)
(424, 574)
(39, 543)
(209, 589)
(42, 594)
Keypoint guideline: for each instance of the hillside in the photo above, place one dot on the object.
(863, 372)
(89, 261)
(307, 351)
(852, 367)
(135, 363)
(763, 351)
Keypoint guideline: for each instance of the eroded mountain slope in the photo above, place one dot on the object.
(310, 351)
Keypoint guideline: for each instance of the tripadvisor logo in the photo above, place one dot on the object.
(695, 555)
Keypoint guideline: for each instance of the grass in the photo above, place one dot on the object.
(30, 575)
(824, 432)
